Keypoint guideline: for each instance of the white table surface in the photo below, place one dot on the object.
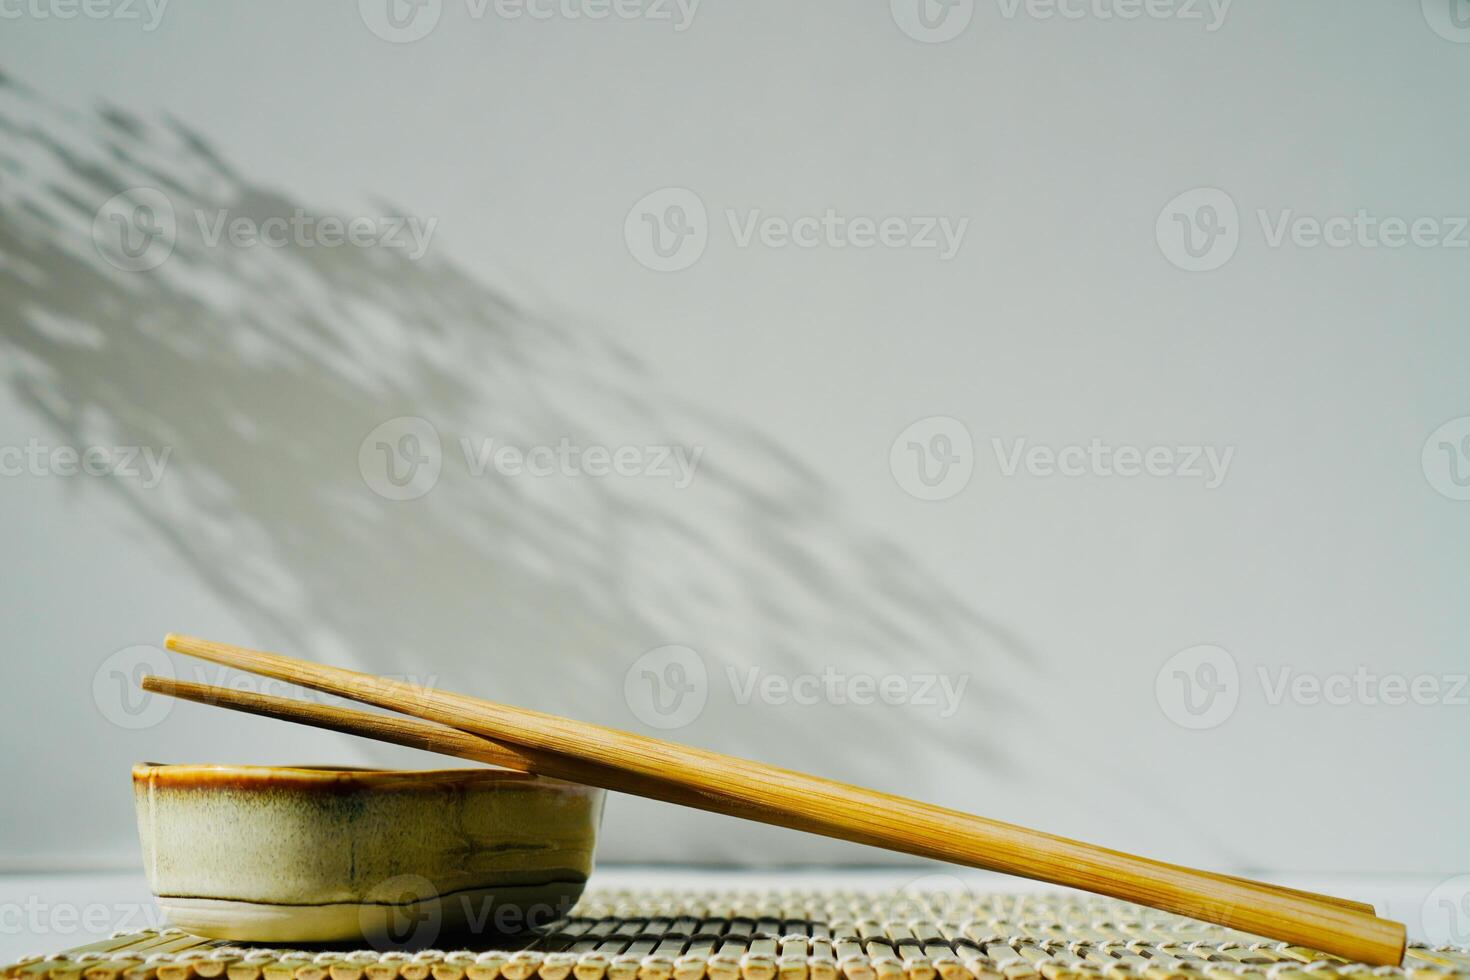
(46, 913)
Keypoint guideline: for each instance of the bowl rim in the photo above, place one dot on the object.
(307, 776)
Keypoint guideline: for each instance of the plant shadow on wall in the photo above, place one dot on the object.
(263, 369)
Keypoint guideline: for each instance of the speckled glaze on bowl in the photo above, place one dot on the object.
(308, 854)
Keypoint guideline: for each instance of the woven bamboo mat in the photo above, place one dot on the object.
(789, 935)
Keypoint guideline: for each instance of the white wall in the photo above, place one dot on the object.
(1061, 319)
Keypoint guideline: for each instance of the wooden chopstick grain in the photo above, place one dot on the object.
(431, 737)
(801, 801)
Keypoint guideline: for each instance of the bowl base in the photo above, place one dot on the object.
(415, 924)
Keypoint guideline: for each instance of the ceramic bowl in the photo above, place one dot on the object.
(313, 854)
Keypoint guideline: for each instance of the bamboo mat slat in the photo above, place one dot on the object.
(786, 935)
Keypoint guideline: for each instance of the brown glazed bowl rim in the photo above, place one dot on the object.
(204, 775)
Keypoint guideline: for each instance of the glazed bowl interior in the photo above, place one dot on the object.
(328, 853)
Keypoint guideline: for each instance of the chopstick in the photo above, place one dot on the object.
(800, 801)
(431, 737)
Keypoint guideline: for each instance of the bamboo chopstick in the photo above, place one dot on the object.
(437, 738)
(432, 737)
(793, 799)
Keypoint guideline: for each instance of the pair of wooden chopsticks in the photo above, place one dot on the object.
(622, 761)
